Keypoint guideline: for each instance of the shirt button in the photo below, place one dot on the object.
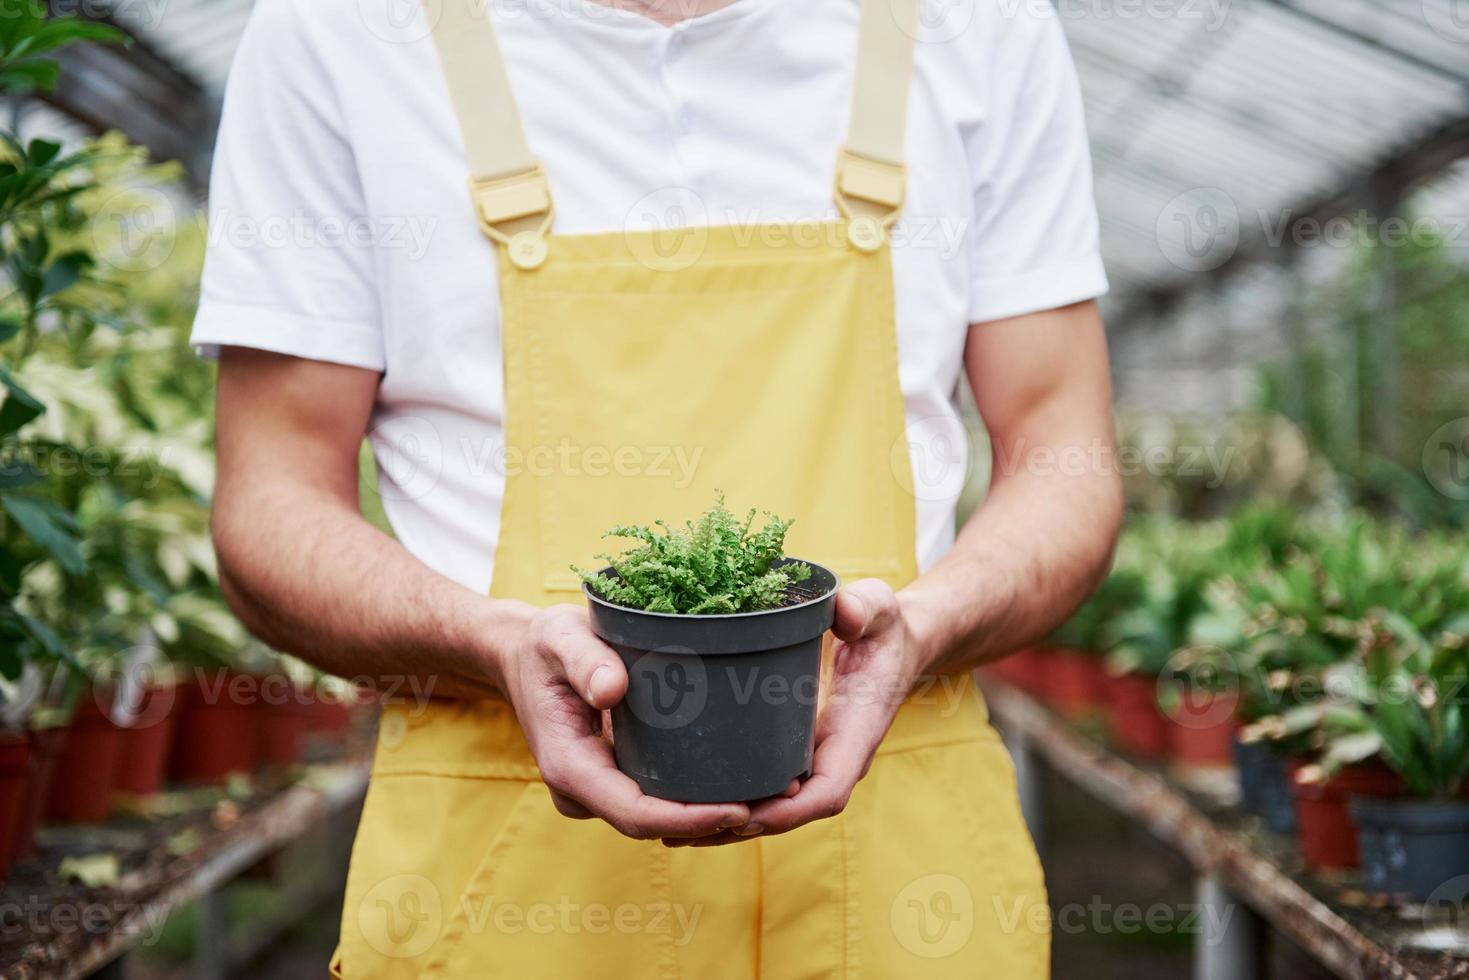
(683, 121)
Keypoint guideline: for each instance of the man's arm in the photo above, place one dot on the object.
(299, 564)
(309, 575)
(1022, 562)
(1043, 537)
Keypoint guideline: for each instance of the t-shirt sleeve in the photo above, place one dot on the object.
(1034, 241)
(290, 264)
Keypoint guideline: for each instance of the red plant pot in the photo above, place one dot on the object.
(1137, 725)
(214, 731)
(1024, 669)
(330, 713)
(285, 716)
(147, 736)
(1324, 824)
(45, 755)
(86, 770)
(1201, 730)
(1075, 682)
(15, 772)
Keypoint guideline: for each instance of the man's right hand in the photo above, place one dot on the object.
(560, 678)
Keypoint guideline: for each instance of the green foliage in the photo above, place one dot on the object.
(105, 463)
(1421, 716)
(1348, 637)
(1330, 385)
(27, 36)
(718, 564)
(1172, 562)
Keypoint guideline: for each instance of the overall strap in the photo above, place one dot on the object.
(870, 175)
(508, 185)
(506, 182)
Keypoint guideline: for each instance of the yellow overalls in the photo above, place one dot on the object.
(769, 355)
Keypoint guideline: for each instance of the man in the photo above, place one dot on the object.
(530, 375)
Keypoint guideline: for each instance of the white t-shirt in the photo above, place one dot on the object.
(341, 228)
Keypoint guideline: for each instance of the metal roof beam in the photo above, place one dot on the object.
(1395, 175)
(1367, 41)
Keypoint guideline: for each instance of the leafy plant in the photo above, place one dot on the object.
(27, 36)
(39, 190)
(1355, 641)
(718, 564)
(1412, 713)
(1174, 564)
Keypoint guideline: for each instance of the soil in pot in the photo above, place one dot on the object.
(214, 735)
(719, 708)
(1075, 683)
(1137, 727)
(1411, 846)
(45, 754)
(1328, 837)
(86, 770)
(147, 735)
(15, 754)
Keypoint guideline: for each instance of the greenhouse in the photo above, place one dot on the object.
(690, 488)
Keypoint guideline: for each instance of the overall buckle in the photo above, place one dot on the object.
(515, 211)
(869, 194)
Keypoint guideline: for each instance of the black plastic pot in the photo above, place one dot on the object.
(1249, 764)
(1411, 847)
(719, 709)
(1264, 785)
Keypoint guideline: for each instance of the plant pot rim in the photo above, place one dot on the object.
(1427, 804)
(686, 617)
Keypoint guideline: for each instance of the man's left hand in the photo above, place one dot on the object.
(875, 668)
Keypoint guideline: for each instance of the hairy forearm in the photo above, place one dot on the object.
(308, 575)
(1022, 562)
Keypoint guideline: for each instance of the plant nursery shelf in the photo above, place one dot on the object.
(1331, 920)
(51, 927)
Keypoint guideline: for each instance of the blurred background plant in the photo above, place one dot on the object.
(105, 466)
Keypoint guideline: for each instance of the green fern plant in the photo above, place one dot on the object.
(717, 564)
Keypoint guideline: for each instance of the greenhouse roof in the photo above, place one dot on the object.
(1210, 119)
(1214, 122)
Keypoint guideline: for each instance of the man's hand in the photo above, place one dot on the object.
(875, 668)
(560, 677)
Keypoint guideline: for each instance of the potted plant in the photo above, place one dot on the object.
(144, 707)
(1161, 642)
(721, 635)
(1412, 843)
(1334, 620)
